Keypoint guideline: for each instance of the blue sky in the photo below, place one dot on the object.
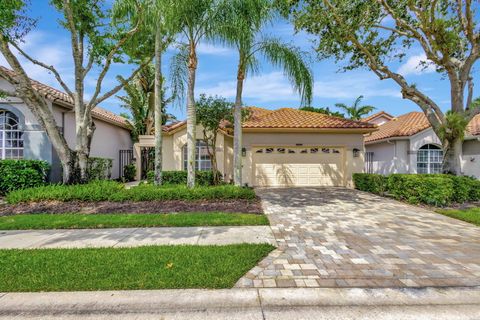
(268, 89)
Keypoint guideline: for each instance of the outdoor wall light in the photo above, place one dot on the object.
(356, 153)
(244, 152)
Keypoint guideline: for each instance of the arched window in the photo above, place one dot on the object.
(202, 159)
(429, 159)
(11, 137)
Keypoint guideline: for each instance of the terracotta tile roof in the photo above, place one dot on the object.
(411, 123)
(55, 95)
(377, 115)
(172, 126)
(298, 119)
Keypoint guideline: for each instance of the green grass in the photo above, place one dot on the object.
(114, 191)
(93, 221)
(469, 215)
(155, 267)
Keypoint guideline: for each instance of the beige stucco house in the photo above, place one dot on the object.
(407, 144)
(284, 147)
(22, 137)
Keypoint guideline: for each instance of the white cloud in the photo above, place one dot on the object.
(209, 49)
(416, 65)
(352, 85)
(263, 88)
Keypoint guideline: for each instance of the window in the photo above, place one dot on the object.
(202, 159)
(429, 159)
(11, 137)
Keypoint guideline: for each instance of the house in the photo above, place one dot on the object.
(407, 144)
(284, 147)
(22, 137)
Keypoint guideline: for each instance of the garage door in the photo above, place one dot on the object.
(298, 167)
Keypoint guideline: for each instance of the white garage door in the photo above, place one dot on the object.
(298, 167)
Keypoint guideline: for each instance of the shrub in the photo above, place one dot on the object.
(99, 168)
(129, 172)
(374, 183)
(21, 174)
(114, 191)
(202, 178)
(431, 189)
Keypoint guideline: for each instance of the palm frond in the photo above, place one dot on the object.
(294, 64)
(179, 74)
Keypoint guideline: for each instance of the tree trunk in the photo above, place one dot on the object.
(212, 153)
(158, 108)
(452, 154)
(237, 131)
(191, 118)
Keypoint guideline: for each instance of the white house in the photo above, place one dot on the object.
(407, 144)
(22, 137)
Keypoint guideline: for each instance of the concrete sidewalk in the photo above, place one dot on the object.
(297, 303)
(133, 237)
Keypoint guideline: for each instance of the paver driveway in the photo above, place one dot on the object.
(335, 237)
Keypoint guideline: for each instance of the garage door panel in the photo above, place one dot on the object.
(296, 169)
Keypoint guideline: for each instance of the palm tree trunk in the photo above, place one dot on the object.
(191, 118)
(158, 108)
(237, 131)
(452, 156)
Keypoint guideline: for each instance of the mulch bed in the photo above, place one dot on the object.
(243, 206)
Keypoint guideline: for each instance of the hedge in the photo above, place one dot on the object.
(430, 189)
(99, 168)
(21, 174)
(202, 178)
(114, 191)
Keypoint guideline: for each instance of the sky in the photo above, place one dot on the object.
(216, 74)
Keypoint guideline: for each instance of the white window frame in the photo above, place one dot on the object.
(202, 159)
(433, 156)
(15, 136)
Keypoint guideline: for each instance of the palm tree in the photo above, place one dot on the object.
(198, 21)
(356, 112)
(139, 101)
(244, 21)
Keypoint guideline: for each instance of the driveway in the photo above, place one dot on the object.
(335, 237)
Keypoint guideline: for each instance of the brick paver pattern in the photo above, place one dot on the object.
(335, 237)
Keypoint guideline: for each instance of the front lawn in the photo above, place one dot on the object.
(155, 267)
(114, 191)
(469, 215)
(92, 221)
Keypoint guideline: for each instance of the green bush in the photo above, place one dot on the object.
(129, 172)
(99, 168)
(374, 183)
(114, 191)
(202, 178)
(430, 189)
(21, 174)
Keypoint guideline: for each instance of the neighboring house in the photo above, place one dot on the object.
(407, 144)
(284, 147)
(22, 137)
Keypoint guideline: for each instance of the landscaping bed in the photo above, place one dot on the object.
(97, 221)
(101, 207)
(153, 267)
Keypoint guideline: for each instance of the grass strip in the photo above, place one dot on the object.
(152, 267)
(468, 215)
(96, 221)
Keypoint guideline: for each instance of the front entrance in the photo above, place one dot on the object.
(298, 166)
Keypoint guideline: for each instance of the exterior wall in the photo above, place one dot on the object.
(107, 140)
(471, 158)
(346, 141)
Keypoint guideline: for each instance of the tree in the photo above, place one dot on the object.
(199, 20)
(355, 111)
(378, 34)
(139, 101)
(96, 42)
(326, 111)
(212, 112)
(244, 21)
